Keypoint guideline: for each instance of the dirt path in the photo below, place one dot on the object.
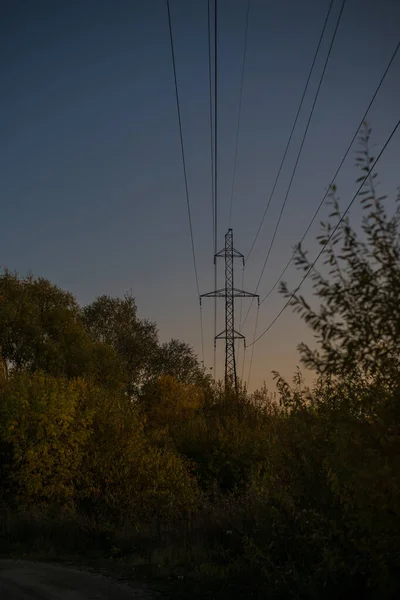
(23, 580)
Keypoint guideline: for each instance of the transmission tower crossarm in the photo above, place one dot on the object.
(235, 254)
(236, 292)
(243, 294)
(236, 334)
(215, 294)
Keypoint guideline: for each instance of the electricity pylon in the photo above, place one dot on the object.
(229, 292)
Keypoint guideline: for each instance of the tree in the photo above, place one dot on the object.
(70, 444)
(114, 321)
(124, 477)
(177, 359)
(40, 327)
(168, 402)
(45, 424)
(357, 326)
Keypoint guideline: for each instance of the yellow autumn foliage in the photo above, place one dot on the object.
(123, 475)
(44, 424)
(73, 445)
(169, 399)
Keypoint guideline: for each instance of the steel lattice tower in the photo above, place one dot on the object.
(229, 292)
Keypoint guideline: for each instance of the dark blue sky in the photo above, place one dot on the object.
(91, 175)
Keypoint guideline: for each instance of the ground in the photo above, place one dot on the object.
(26, 580)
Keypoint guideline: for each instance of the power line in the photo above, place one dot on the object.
(182, 147)
(240, 110)
(244, 357)
(215, 170)
(211, 119)
(252, 347)
(240, 313)
(337, 170)
(240, 324)
(216, 124)
(330, 237)
(213, 197)
(299, 152)
(184, 166)
(202, 334)
(292, 130)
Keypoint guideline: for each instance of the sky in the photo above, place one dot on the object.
(92, 185)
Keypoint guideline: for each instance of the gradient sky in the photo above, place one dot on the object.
(91, 176)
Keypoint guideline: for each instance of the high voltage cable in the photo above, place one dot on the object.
(329, 238)
(252, 345)
(337, 170)
(244, 356)
(213, 196)
(215, 171)
(240, 313)
(184, 163)
(240, 111)
(211, 119)
(202, 335)
(216, 123)
(298, 154)
(182, 147)
(292, 130)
